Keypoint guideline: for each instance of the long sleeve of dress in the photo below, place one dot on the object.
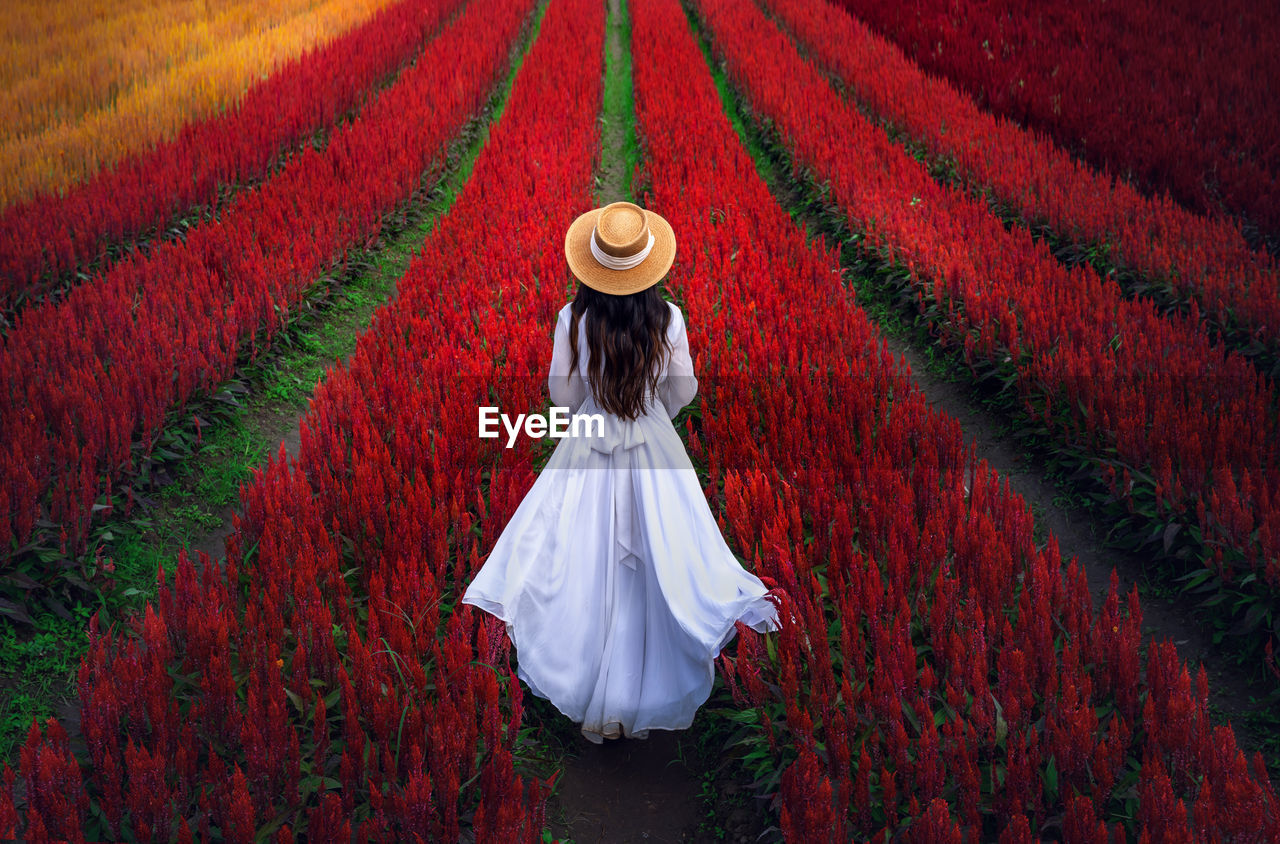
(567, 388)
(680, 385)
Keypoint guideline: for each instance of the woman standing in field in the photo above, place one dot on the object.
(612, 578)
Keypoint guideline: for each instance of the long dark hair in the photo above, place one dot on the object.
(627, 339)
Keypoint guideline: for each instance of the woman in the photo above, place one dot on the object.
(616, 587)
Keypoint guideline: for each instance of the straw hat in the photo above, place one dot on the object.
(620, 248)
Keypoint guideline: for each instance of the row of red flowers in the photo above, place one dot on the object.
(51, 236)
(1175, 96)
(82, 380)
(1196, 257)
(1139, 391)
(939, 676)
(327, 682)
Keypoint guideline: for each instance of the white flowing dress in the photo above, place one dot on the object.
(616, 587)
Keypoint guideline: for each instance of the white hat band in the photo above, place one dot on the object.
(613, 263)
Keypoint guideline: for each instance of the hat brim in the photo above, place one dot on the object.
(577, 251)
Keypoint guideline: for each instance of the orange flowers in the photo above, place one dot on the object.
(69, 125)
(46, 240)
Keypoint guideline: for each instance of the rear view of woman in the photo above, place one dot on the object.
(616, 586)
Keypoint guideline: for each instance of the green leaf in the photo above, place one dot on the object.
(1051, 780)
(1192, 579)
(1002, 726)
(911, 716)
(1214, 600)
(297, 701)
(1256, 613)
(13, 610)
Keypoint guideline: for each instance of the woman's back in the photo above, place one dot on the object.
(676, 387)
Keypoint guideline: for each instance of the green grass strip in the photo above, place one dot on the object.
(619, 149)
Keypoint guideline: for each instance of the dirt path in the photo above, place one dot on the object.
(1078, 536)
(625, 789)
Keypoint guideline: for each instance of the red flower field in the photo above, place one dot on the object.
(944, 670)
